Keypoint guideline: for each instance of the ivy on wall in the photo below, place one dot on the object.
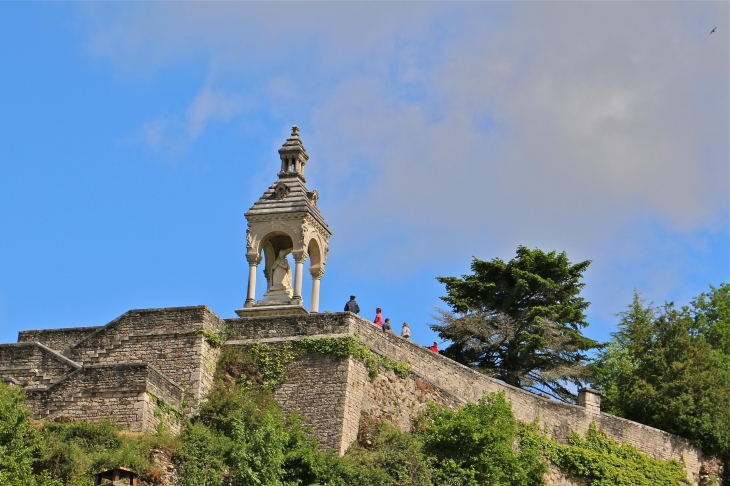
(216, 339)
(162, 408)
(603, 461)
(273, 362)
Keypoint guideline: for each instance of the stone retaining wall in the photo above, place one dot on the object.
(164, 351)
(558, 418)
(117, 392)
(57, 339)
(28, 363)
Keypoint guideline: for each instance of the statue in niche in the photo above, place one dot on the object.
(281, 273)
(280, 289)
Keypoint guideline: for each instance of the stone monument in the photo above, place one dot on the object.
(286, 220)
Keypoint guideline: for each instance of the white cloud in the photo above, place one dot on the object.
(470, 128)
(175, 132)
(208, 106)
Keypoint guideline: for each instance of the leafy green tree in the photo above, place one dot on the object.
(19, 442)
(710, 312)
(520, 321)
(661, 370)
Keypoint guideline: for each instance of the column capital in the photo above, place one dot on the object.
(317, 272)
(300, 256)
(253, 259)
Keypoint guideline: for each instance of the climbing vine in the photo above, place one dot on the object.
(273, 362)
(162, 408)
(215, 339)
(603, 461)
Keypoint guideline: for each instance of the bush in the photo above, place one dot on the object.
(479, 445)
(19, 442)
(74, 452)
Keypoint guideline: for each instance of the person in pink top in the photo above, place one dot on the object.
(378, 317)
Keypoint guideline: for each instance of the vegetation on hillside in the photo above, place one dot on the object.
(240, 437)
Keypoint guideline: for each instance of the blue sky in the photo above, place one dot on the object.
(135, 136)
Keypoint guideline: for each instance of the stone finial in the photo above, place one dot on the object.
(590, 399)
(293, 156)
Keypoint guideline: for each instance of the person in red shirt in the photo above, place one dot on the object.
(435, 347)
(378, 317)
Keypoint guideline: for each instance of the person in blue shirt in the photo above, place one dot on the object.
(352, 306)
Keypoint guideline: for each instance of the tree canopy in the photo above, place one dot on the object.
(520, 321)
(667, 368)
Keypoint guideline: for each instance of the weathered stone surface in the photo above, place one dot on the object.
(164, 353)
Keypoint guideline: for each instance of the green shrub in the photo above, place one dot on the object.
(74, 452)
(19, 442)
(479, 445)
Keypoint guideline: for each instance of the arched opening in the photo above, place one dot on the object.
(276, 248)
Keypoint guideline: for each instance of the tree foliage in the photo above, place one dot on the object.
(520, 321)
(19, 442)
(476, 445)
(665, 367)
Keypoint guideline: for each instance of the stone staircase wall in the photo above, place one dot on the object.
(148, 322)
(57, 339)
(168, 339)
(32, 364)
(117, 392)
(178, 355)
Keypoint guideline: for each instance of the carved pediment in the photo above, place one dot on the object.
(281, 191)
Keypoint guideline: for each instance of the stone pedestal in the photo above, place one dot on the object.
(271, 310)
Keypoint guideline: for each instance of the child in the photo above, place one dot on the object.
(386, 326)
(378, 317)
(406, 332)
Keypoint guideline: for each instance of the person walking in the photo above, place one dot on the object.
(406, 332)
(435, 347)
(386, 326)
(378, 317)
(351, 306)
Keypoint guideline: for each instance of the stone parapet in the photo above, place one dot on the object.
(32, 364)
(57, 339)
(290, 325)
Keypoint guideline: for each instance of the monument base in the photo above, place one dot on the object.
(271, 310)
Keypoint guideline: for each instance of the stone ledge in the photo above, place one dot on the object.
(271, 310)
(285, 338)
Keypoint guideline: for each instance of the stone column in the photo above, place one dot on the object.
(299, 257)
(317, 272)
(253, 261)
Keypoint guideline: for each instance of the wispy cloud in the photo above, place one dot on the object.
(470, 128)
(177, 131)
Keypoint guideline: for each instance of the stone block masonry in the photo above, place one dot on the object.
(138, 367)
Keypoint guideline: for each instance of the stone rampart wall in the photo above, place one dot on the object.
(57, 339)
(27, 363)
(317, 389)
(451, 383)
(117, 392)
(147, 322)
(559, 419)
(287, 326)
